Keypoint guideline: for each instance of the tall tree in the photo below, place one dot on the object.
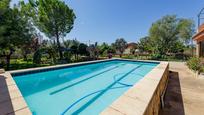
(54, 18)
(144, 44)
(15, 30)
(120, 45)
(82, 49)
(93, 50)
(4, 7)
(168, 31)
(186, 30)
(103, 49)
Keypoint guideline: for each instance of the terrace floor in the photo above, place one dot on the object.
(185, 92)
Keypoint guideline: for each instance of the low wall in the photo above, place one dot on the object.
(155, 103)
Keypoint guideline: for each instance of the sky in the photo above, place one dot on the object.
(106, 20)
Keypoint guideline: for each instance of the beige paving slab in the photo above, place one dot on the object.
(24, 111)
(6, 80)
(9, 88)
(111, 111)
(8, 96)
(12, 105)
(129, 106)
(143, 90)
(11, 99)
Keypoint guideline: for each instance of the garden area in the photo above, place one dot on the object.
(22, 44)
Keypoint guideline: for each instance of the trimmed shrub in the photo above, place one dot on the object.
(195, 64)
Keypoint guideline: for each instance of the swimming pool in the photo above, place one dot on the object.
(85, 89)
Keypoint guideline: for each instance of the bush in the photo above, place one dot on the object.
(156, 56)
(37, 57)
(195, 64)
(128, 57)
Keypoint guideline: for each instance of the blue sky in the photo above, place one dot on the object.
(106, 20)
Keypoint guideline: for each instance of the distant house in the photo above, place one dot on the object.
(199, 39)
(131, 47)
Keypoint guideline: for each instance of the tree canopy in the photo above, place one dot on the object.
(15, 30)
(52, 17)
(144, 44)
(168, 32)
(120, 45)
(21, 27)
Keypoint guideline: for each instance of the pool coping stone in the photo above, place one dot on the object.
(142, 99)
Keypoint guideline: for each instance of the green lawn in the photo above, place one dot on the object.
(21, 64)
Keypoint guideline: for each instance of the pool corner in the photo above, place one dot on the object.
(11, 101)
(144, 98)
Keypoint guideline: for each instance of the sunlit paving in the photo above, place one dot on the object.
(107, 57)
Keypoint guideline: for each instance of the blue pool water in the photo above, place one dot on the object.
(85, 90)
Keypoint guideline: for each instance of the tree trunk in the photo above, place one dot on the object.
(59, 47)
(8, 57)
(75, 56)
(25, 57)
(121, 52)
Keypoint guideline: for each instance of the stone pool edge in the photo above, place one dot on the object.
(144, 97)
(16, 99)
(11, 100)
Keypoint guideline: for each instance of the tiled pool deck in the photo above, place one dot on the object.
(142, 98)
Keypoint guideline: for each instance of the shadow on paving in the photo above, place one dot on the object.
(173, 97)
(5, 99)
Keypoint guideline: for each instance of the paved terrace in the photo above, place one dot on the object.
(185, 93)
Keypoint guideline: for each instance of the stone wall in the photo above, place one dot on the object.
(155, 104)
